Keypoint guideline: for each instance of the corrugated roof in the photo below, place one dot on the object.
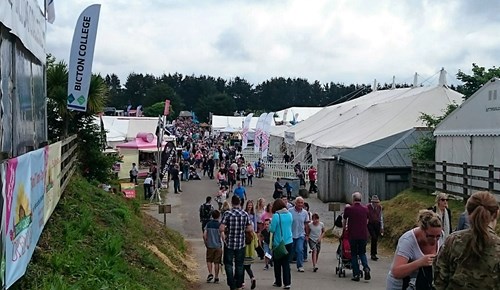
(389, 152)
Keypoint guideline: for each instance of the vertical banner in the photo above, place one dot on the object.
(258, 132)
(52, 179)
(166, 110)
(24, 218)
(246, 126)
(266, 133)
(2, 235)
(50, 11)
(81, 57)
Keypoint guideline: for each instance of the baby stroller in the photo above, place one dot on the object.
(344, 255)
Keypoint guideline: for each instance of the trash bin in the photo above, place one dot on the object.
(294, 182)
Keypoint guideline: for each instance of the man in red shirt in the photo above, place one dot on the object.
(313, 175)
(356, 220)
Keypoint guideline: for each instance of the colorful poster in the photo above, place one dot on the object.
(81, 57)
(24, 219)
(52, 179)
(128, 189)
(246, 127)
(2, 226)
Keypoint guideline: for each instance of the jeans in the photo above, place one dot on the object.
(298, 247)
(177, 185)
(358, 249)
(283, 265)
(234, 279)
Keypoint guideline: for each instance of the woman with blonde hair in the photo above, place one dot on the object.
(415, 252)
(442, 210)
(470, 259)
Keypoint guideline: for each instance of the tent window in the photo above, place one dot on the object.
(396, 177)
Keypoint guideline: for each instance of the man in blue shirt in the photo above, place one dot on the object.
(241, 193)
(299, 228)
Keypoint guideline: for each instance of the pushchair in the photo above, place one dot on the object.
(344, 255)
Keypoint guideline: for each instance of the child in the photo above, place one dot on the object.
(251, 242)
(213, 243)
(264, 239)
(316, 233)
(288, 189)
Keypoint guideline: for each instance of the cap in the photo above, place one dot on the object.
(375, 198)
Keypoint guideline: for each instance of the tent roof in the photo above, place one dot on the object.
(478, 116)
(373, 116)
(142, 141)
(235, 122)
(301, 113)
(389, 152)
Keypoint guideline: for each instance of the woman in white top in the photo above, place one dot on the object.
(415, 251)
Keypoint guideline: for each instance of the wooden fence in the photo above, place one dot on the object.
(68, 159)
(457, 179)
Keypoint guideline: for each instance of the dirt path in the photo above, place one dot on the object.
(185, 219)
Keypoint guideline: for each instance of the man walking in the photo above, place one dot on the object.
(206, 210)
(299, 228)
(234, 224)
(375, 224)
(241, 193)
(356, 220)
(313, 175)
(174, 174)
(213, 243)
(134, 172)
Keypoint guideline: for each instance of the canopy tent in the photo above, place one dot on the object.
(219, 123)
(145, 142)
(294, 115)
(366, 119)
(120, 129)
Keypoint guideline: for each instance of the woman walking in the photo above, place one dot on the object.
(470, 259)
(281, 228)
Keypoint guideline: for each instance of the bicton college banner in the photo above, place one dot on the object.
(81, 57)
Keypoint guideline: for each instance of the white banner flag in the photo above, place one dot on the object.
(258, 133)
(246, 126)
(266, 133)
(81, 57)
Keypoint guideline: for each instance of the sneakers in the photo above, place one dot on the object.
(216, 280)
(315, 269)
(374, 258)
(254, 284)
(266, 268)
(210, 277)
(286, 287)
(300, 269)
(276, 285)
(367, 273)
(355, 278)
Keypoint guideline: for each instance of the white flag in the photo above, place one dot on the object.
(81, 57)
(266, 133)
(50, 11)
(246, 126)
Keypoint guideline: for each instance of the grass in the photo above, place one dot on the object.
(400, 214)
(97, 240)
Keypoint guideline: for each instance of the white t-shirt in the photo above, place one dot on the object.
(408, 248)
(315, 231)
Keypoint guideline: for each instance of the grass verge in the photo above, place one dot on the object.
(97, 240)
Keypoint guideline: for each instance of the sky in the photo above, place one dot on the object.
(346, 41)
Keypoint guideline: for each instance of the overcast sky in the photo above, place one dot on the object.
(345, 41)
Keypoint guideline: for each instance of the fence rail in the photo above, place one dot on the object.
(68, 159)
(454, 178)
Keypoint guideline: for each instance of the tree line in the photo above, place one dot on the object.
(204, 94)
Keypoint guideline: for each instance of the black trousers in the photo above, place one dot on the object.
(374, 230)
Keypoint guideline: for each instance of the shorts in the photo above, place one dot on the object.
(314, 245)
(214, 255)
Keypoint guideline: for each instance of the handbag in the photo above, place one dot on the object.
(280, 251)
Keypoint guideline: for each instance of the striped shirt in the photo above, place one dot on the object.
(236, 221)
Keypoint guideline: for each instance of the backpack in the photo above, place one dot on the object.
(206, 211)
(338, 221)
(243, 171)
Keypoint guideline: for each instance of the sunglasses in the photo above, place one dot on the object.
(444, 199)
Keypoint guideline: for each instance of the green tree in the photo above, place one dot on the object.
(219, 104)
(480, 76)
(159, 92)
(116, 97)
(155, 110)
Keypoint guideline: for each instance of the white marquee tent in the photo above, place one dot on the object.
(366, 119)
(298, 113)
(122, 129)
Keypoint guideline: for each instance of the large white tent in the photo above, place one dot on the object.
(121, 129)
(297, 114)
(366, 119)
(471, 133)
(232, 123)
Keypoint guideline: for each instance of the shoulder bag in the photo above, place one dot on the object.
(280, 251)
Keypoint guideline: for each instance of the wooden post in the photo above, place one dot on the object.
(444, 176)
(491, 176)
(164, 209)
(464, 179)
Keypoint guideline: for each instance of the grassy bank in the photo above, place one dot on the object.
(400, 214)
(96, 240)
